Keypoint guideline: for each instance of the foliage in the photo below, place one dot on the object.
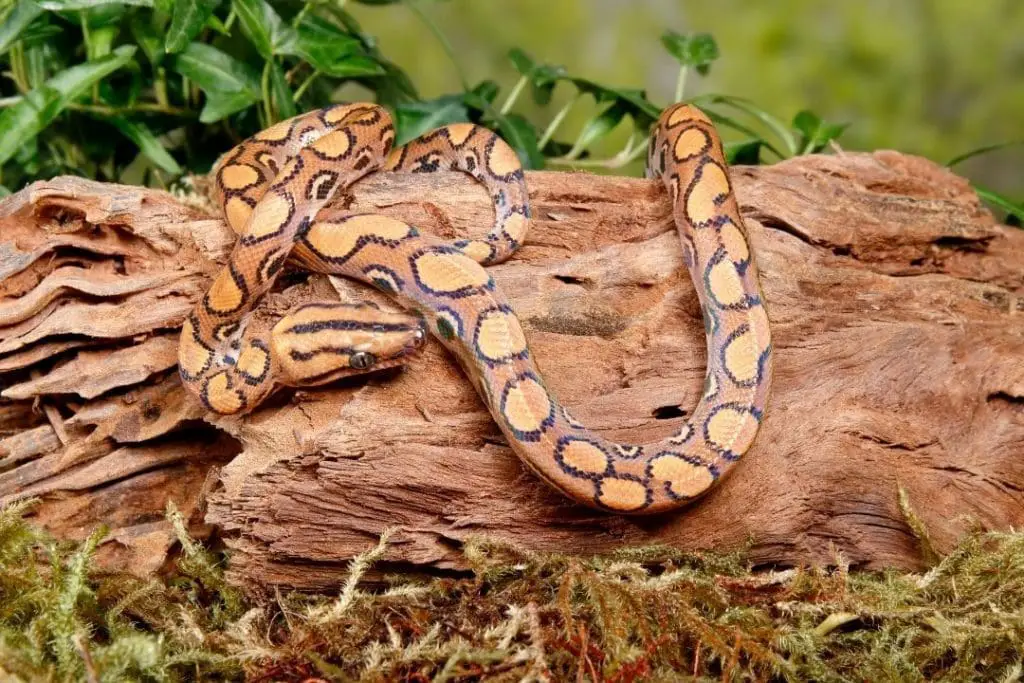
(146, 90)
(641, 614)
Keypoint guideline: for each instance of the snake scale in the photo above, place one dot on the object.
(271, 188)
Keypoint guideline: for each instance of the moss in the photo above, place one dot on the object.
(641, 614)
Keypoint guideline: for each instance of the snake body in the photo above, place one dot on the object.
(272, 186)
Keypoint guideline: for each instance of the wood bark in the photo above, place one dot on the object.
(897, 306)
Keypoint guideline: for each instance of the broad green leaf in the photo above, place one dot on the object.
(281, 94)
(322, 44)
(229, 84)
(16, 21)
(187, 20)
(147, 143)
(40, 107)
(264, 28)
(598, 126)
(71, 5)
(216, 72)
(355, 66)
(696, 50)
(98, 16)
(413, 119)
(219, 106)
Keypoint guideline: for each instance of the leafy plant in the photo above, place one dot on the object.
(1014, 210)
(143, 91)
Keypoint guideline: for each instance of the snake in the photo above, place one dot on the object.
(271, 188)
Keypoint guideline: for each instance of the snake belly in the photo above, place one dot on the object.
(446, 283)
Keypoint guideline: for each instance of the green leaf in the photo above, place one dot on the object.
(322, 43)
(41, 106)
(147, 143)
(101, 41)
(215, 71)
(543, 77)
(147, 36)
(219, 106)
(70, 5)
(16, 21)
(413, 119)
(36, 59)
(597, 127)
(982, 150)
(636, 101)
(815, 132)
(281, 94)
(487, 91)
(355, 66)
(229, 84)
(696, 50)
(264, 28)
(778, 127)
(187, 20)
(41, 32)
(1012, 208)
(746, 152)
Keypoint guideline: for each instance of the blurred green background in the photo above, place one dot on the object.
(930, 77)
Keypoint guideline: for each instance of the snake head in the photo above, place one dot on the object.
(320, 343)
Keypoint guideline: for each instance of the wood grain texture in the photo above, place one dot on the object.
(897, 307)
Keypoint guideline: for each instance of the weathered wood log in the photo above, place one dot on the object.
(898, 312)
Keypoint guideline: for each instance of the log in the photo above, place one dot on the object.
(897, 305)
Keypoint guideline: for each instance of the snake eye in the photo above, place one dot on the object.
(360, 360)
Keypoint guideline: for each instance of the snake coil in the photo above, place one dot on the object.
(271, 188)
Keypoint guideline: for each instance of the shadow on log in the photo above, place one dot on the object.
(898, 312)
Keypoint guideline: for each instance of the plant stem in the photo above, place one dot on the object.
(305, 84)
(301, 14)
(265, 88)
(445, 45)
(160, 87)
(681, 82)
(514, 95)
(549, 132)
(630, 153)
(230, 19)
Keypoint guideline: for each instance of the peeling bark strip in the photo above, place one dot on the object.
(898, 313)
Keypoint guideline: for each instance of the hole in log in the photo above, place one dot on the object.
(668, 412)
